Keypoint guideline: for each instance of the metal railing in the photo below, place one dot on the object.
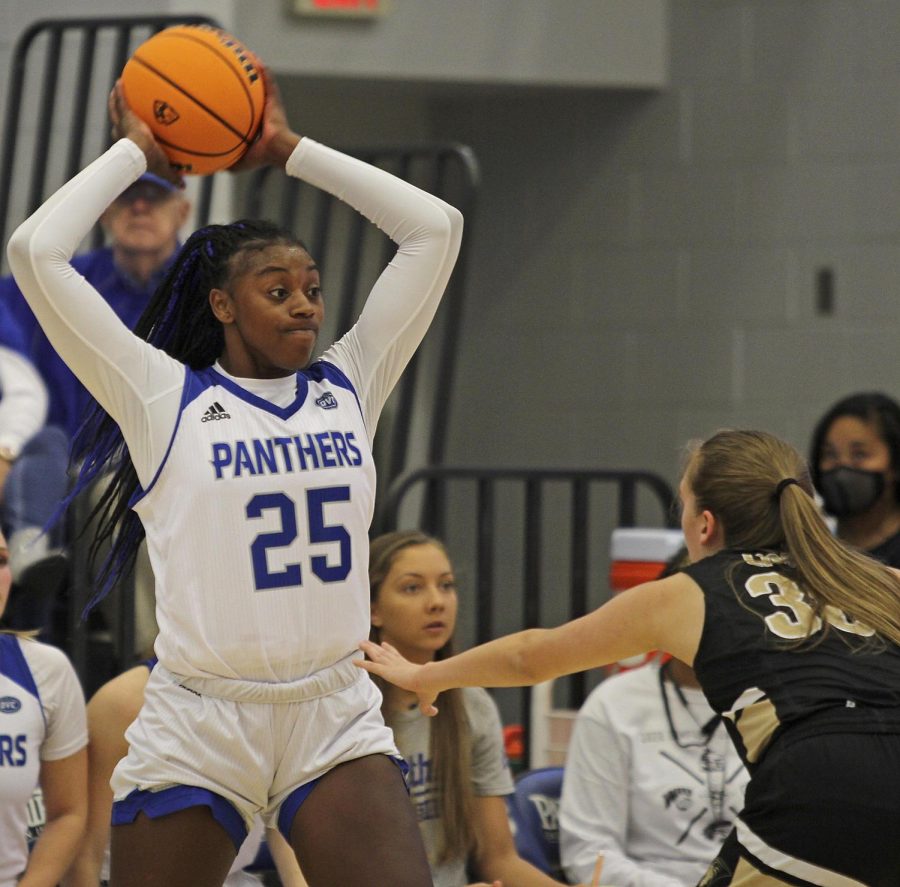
(60, 74)
(532, 542)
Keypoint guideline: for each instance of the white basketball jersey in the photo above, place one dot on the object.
(21, 734)
(41, 717)
(257, 529)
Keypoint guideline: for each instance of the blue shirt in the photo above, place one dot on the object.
(11, 334)
(128, 298)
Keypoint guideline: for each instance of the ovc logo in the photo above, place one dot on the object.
(9, 705)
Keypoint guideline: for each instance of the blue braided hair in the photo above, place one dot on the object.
(178, 320)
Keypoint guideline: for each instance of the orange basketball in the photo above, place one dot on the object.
(200, 92)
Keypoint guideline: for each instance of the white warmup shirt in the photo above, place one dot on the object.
(23, 400)
(644, 786)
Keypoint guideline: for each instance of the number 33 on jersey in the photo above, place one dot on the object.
(793, 618)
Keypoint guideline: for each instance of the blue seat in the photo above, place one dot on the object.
(534, 812)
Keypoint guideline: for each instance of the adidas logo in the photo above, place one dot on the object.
(327, 401)
(216, 411)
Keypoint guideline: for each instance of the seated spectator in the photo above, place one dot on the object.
(458, 775)
(854, 461)
(142, 228)
(31, 483)
(652, 781)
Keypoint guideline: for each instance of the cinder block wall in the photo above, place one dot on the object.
(645, 264)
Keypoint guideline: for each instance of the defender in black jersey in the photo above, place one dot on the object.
(818, 725)
(795, 639)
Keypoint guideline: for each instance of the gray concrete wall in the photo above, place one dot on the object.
(644, 260)
(645, 264)
(577, 42)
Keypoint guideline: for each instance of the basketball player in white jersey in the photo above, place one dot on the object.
(110, 712)
(43, 735)
(251, 470)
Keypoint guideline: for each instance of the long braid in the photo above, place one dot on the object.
(179, 321)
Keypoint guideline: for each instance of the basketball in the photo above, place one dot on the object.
(200, 92)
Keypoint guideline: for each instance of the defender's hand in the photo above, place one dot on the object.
(387, 663)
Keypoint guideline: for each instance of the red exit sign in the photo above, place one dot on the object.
(347, 8)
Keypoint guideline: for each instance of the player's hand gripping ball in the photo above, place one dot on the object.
(201, 93)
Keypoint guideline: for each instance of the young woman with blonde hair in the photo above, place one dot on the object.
(795, 640)
(458, 772)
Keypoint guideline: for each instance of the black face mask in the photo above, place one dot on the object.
(848, 491)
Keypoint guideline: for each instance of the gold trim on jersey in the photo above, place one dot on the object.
(748, 875)
(756, 723)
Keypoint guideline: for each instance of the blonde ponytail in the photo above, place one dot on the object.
(759, 487)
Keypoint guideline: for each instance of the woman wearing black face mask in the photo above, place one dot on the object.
(855, 466)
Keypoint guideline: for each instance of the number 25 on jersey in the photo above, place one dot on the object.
(319, 532)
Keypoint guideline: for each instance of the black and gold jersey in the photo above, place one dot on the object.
(759, 670)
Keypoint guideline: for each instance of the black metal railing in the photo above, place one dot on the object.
(60, 74)
(532, 542)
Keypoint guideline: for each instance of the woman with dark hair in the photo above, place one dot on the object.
(795, 640)
(249, 468)
(458, 771)
(854, 458)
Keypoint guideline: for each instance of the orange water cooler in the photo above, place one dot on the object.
(639, 554)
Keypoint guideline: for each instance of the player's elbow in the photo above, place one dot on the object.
(18, 249)
(455, 224)
(443, 221)
(445, 229)
(26, 249)
(29, 249)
